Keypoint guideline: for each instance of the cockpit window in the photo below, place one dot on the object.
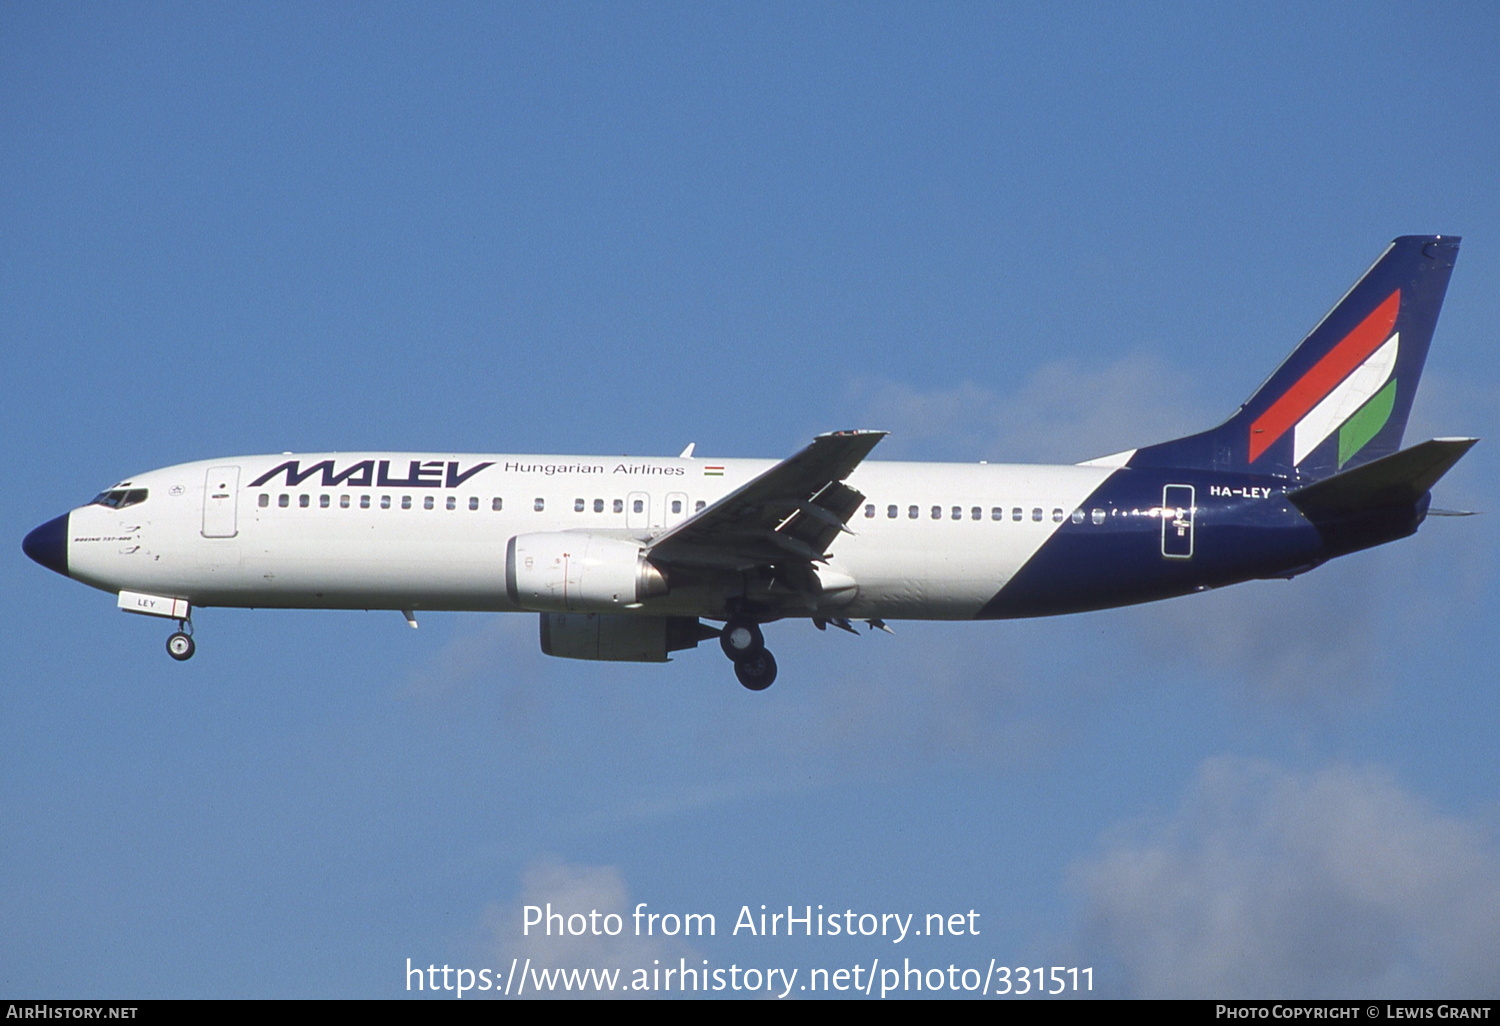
(119, 498)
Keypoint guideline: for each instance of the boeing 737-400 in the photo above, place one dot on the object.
(624, 559)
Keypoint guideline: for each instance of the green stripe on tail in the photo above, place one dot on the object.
(1366, 423)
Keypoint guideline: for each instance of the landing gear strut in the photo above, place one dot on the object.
(180, 645)
(743, 642)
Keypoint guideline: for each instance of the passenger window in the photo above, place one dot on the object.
(385, 502)
(976, 513)
(452, 502)
(264, 500)
(496, 504)
(1015, 513)
(698, 506)
(911, 513)
(578, 505)
(540, 504)
(1036, 514)
(304, 500)
(1057, 516)
(283, 501)
(676, 506)
(937, 512)
(997, 513)
(324, 501)
(1097, 516)
(890, 512)
(958, 513)
(1078, 516)
(473, 502)
(598, 505)
(406, 502)
(869, 510)
(364, 502)
(619, 506)
(344, 501)
(638, 505)
(428, 502)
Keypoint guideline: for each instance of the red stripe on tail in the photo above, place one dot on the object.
(1324, 376)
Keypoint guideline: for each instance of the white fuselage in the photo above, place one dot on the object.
(429, 531)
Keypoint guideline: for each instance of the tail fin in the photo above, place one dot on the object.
(1342, 398)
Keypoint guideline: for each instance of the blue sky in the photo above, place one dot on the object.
(1003, 232)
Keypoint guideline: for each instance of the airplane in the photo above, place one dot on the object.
(624, 559)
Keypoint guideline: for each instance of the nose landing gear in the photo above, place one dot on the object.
(180, 645)
(743, 642)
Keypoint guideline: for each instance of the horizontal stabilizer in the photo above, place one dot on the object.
(1400, 479)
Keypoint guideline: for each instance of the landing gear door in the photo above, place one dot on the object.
(1177, 512)
(221, 487)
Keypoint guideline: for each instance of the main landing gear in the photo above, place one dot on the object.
(743, 642)
(758, 672)
(180, 645)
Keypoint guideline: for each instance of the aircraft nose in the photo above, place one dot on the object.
(48, 544)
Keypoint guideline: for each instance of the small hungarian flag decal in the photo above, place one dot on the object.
(713, 471)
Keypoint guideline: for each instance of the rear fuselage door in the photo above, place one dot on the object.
(221, 487)
(1177, 511)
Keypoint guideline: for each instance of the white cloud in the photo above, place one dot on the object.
(1065, 412)
(488, 650)
(1311, 641)
(1268, 882)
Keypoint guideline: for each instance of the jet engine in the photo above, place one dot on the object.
(574, 571)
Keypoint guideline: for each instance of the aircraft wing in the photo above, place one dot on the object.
(790, 513)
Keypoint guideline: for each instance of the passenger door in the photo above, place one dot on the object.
(221, 487)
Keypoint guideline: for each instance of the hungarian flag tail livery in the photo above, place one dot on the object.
(1343, 396)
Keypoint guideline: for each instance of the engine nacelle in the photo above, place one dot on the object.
(574, 571)
(619, 637)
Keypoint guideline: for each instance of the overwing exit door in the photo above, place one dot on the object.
(638, 511)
